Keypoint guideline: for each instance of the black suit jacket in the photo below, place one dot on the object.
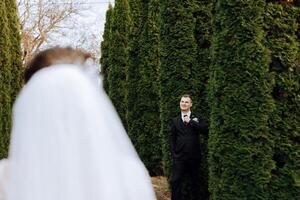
(184, 138)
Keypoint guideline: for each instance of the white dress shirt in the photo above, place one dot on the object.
(185, 113)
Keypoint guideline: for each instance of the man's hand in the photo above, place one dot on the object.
(186, 119)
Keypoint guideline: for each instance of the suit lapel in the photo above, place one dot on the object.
(192, 116)
(180, 123)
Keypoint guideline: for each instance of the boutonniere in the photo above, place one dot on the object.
(196, 119)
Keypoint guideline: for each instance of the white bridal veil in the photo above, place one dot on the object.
(69, 144)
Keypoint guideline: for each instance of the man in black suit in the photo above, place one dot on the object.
(185, 147)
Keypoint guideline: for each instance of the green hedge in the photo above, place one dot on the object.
(200, 76)
(240, 61)
(15, 48)
(178, 63)
(281, 27)
(105, 45)
(142, 99)
(133, 75)
(118, 57)
(150, 142)
(240, 156)
(5, 81)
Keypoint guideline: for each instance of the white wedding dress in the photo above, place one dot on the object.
(4, 174)
(69, 144)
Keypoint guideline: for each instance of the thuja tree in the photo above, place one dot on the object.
(15, 48)
(202, 14)
(178, 55)
(118, 57)
(240, 145)
(281, 27)
(135, 127)
(149, 140)
(105, 44)
(5, 81)
(203, 32)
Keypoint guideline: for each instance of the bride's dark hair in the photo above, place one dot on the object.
(52, 56)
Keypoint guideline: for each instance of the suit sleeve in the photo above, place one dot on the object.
(200, 125)
(173, 138)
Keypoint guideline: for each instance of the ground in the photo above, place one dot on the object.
(160, 186)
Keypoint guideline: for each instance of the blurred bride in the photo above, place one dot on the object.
(67, 141)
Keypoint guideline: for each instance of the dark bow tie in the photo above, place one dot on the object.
(185, 121)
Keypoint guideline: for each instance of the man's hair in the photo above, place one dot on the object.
(52, 56)
(187, 96)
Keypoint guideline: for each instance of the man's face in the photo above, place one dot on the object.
(185, 104)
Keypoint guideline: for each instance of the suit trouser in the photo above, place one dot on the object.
(189, 167)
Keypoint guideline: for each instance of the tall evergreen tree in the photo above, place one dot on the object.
(281, 27)
(105, 45)
(5, 81)
(178, 63)
(15, 48)
(203, 32)
(142, 80)
(135, 129)
(240, 145)
(118, 57)
(149, 94)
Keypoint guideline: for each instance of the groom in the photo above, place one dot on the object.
(185, 148)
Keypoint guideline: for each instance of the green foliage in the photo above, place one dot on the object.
(203, 32)
(178, 63)
(281, 27)
(143, 128)
(15, 48)
(216, 51)
(240, 145)
(5, 81)
(202, 14)
(149, 90)
(134, 112)
(105, 44)
(118, 57)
